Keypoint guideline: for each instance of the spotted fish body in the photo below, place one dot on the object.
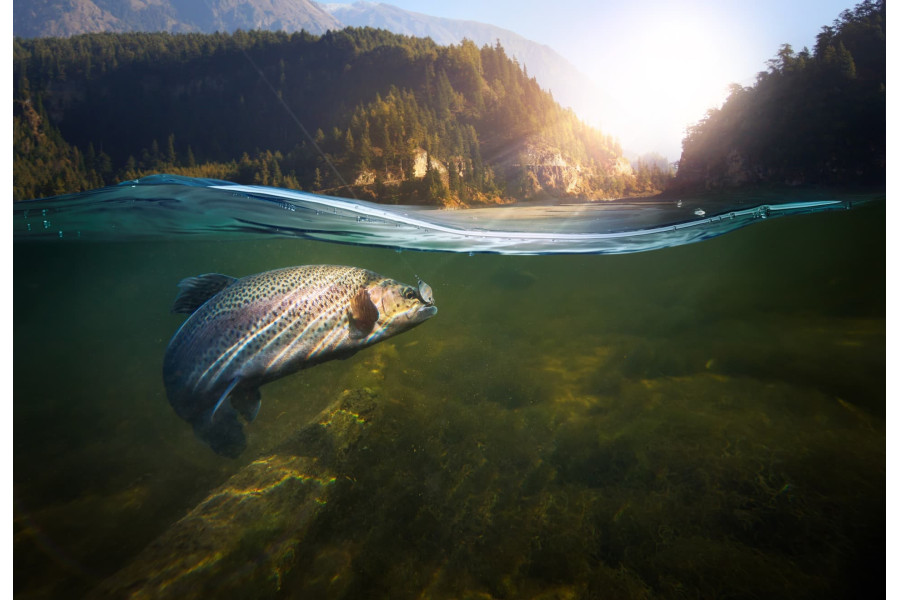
(243, 333)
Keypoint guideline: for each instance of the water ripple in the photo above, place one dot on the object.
(175, 207)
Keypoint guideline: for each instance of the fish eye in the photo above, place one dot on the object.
(409, 294)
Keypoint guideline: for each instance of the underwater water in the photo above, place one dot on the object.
(579, 420)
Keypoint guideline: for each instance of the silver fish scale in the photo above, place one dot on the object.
(246, 332)
(263, 320)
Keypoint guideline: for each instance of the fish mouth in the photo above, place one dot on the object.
(426, 312)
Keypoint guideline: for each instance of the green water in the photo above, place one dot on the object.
(706, 421)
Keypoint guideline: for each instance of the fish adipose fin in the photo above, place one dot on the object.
(195, 291)
(363, 315)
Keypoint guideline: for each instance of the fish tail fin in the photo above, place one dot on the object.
(195, 291)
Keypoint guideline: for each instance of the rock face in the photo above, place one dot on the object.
(530, 170)
(732, 169)
(544, 171)
(61, 19)
(365, 177)
(40, 18)
(420, 165)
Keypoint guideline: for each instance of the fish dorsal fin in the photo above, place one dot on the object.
(195, 291)
(363, 315)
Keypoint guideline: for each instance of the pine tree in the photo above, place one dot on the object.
(366, 153)
(317, 180)
(171, 157)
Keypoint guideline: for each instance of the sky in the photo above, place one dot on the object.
(660, 64)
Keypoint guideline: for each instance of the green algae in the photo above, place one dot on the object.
(654, 497)
(702, 422)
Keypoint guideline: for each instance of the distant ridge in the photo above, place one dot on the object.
(64, 18)
(391, 118)
(442, 30)
(569, 86)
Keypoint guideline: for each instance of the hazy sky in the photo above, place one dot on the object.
(661, 63)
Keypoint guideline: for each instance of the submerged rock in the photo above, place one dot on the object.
(241, 540)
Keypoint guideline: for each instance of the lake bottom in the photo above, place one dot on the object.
(701, 421)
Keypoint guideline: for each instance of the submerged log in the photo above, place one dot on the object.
(242, 539)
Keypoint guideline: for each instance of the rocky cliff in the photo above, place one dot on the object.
(44, 18)
(544, 171)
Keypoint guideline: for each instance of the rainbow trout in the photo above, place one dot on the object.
(243, 333)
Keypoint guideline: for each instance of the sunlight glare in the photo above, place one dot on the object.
(670, 74)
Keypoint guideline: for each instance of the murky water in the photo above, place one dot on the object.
(699, 421)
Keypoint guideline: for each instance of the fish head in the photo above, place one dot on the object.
(400, 306)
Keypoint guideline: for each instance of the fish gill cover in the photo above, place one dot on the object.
(170, 206)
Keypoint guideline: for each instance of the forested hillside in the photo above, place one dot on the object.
(359, 112)
(811, 118)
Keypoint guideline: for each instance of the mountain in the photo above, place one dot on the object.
(360, 112)
(553, 72)
(442, 31)
(64, 18)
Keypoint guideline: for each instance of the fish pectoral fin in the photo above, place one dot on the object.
(223, 430)
(195, 291)
(362, 315)
(246, 402)
(231, 385)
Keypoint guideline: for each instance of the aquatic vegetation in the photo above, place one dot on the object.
(706, 420)
(676, 494)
